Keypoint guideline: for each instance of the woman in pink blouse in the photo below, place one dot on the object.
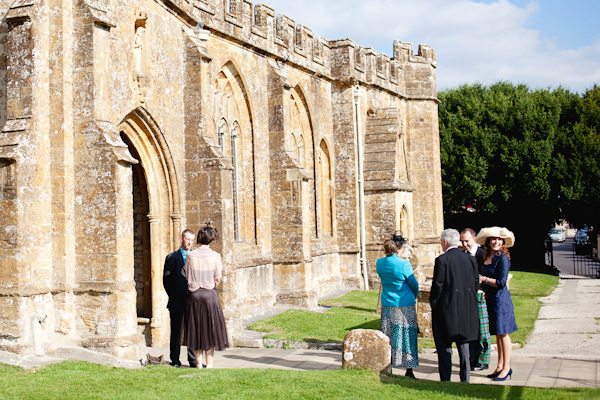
(203, 322)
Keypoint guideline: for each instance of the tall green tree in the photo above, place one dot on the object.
(520, 158)
(577, 154)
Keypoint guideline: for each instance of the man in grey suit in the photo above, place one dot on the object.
(453, 302)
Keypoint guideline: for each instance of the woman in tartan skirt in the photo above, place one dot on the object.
(398, 298)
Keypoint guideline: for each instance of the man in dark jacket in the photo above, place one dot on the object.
(479, 349)
(175, 284)
(453, 302)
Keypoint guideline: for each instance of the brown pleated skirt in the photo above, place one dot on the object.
(203, 322)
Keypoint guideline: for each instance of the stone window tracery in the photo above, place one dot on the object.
(297, 145)
(235, 138)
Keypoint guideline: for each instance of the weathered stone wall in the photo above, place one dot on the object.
(236, 116)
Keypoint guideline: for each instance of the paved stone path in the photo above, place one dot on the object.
(562, 351)
(568, 324)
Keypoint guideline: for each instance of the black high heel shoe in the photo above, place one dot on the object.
(494, 374)
(410, 374)
(497, 378)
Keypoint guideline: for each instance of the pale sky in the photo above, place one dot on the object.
(542, 43)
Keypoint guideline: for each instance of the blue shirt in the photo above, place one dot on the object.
(400, 287)
(183, 253)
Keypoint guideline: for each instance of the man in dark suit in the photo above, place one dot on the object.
(480, 349)
(175, 284)
(453, 302)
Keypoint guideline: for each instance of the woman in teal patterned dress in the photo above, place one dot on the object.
(398, 312)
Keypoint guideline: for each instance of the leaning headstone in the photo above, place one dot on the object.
(368, 349)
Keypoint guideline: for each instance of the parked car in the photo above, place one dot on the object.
(581, 237)
(557, 235)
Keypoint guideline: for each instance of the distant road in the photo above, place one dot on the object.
(564, 260)
(563, 255)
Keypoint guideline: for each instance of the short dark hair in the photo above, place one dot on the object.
(207, 234)
(471, 231)
(188, 231)
(389, 246)
(399, 239)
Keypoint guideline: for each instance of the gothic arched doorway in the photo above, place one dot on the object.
(156, 220)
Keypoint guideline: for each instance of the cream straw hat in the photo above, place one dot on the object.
(495, 231)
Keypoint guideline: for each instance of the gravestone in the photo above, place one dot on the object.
(368, 349)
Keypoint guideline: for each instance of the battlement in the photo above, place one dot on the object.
(271, 33)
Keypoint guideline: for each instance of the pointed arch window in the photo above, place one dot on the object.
(297, 145)
(235, 138)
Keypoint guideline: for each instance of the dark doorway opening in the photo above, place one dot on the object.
(141, 245)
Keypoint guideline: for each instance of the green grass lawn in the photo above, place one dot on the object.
(354, 310)
(357, 309)
(77, 380)
(80, 380)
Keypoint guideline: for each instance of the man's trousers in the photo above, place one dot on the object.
(443, 345)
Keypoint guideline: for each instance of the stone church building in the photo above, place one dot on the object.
(126, 121)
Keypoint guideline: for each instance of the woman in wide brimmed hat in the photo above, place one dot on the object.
(493, 280)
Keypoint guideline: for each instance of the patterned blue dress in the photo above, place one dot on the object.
(398, 311)
(499, 302)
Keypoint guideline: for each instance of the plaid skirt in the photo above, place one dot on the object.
(480, 349)
(400, 325)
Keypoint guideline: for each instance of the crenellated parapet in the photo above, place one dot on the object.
(403, 53)
(418, 69)
(260, 27)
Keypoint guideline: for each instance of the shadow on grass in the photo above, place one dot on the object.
(455, 388)
(320, 341)
(538, 268)
(340, 305)
(374, 324)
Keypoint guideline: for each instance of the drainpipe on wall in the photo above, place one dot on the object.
(357, 92)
